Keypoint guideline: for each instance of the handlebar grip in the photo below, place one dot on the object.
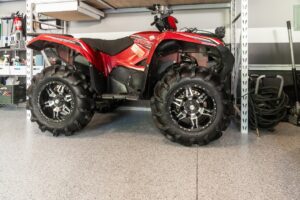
(288, 23)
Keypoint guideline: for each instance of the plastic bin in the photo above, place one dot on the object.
(12, 94)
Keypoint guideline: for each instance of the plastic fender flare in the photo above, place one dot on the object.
(45, 40)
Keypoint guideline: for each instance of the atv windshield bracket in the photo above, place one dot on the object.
(47, 62)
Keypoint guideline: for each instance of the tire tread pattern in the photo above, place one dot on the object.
(158, 101)
(84, 109)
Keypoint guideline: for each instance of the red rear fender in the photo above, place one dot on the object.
(44, 41)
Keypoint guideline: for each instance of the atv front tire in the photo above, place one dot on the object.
(60, 100)
(188, 106)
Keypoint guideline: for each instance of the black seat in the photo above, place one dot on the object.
(110, 47)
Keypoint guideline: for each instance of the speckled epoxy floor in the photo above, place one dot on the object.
(123, 156)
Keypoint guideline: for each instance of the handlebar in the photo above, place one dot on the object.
(155, 21)
(162, 19)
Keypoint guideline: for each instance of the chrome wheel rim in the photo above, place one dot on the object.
(192, 108)
(56, 101)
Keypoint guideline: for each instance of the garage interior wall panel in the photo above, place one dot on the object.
(135, 22)
(267, 27)
(11, 7)
(268, 37)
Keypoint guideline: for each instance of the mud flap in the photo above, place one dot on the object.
(98, 82)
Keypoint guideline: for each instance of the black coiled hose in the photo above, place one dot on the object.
(266, 109)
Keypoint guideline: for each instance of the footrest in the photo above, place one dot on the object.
(120, 96)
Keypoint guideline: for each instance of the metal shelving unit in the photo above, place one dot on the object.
(239, 44)
(12, 94)
(240, 49)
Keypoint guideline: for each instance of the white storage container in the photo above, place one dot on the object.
(37, 69)
(4, 70)
(18, 70)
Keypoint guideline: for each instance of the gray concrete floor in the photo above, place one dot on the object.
(123, 156)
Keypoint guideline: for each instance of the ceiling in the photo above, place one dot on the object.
(3, 1)
(146, 3)
(138, 3)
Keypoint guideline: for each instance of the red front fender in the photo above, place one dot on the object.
(184, 37)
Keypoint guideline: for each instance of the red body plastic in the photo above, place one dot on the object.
(172, 23)
(145, 44)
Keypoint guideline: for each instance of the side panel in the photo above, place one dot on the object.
(131, 57)
(135, 56)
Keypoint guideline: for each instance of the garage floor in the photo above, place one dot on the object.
(123, 156)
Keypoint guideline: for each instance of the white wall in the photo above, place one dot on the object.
(267, 21)
(267, 24)
(10, 7)
(115, 25)
(270, 13)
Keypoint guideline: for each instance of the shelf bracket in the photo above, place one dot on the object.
(244, 67)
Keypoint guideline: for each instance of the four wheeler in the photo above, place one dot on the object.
(185, 75)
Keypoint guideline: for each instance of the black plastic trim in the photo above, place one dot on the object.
(97, 79)
(227, 60)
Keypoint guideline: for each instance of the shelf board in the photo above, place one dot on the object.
(14, 71)
(13, 65)
(20, 66)
(69, 10)
(9, 49)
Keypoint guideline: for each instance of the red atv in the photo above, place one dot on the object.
(185, 74)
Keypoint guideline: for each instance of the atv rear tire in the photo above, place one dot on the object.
(60, 100)
(188, 106)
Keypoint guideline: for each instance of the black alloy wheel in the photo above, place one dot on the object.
(60, 100)
(56, 101)
(188, 105)
(192, 108)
